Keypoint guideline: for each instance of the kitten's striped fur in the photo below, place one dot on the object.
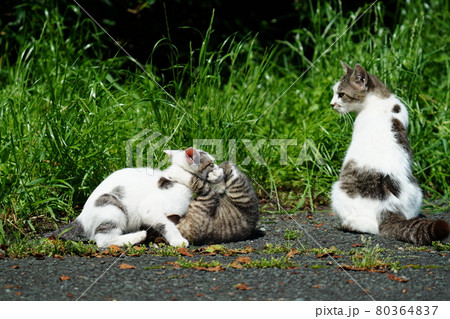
(221, 213)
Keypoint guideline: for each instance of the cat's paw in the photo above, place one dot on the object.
(141, 236)
(215, 176)
(180, 242)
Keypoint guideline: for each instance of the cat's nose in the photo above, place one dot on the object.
(333, 105)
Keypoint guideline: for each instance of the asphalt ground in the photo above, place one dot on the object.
(307, 273)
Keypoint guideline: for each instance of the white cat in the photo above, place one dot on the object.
(376, 192)
(132, 200)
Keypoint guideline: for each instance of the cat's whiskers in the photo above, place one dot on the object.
(347, 119)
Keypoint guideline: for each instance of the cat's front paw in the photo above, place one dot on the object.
(181, 242)
(215, 176)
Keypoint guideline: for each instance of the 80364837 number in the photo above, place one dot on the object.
(405, 310)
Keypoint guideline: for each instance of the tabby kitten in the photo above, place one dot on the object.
(225, 212)
(376, 192)
(131, 200)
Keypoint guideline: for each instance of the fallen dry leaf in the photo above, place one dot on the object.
(356, 245)
(215, 288)
(64, 278)
(395, 278)
(317, 286)
(219, 249)
(326, 255)
(246, 250)
(244, 260)
(404, 291)
(237, 265)
(319, 225)
(18, 293)
(15, 267)
(216, 268)
(379, 269)
(242, 286)
(126, 266)
(69, 295)
(113, 249)
(175, 265)
(350, 282)
(292, 253)
(184, 251)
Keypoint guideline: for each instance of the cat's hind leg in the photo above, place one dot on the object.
(108, 233)
(170, 232)
(158, 221)
(106, 240)
(355, 214)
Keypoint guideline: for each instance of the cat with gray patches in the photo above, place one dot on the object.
(130, 201)
(376, 192)
(225, 212)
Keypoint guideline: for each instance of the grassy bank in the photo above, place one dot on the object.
(67, 111)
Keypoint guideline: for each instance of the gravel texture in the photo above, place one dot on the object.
(313, 277)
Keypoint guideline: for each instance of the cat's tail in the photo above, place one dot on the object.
(72, 231)
(418, 231)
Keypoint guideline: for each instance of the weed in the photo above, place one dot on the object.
(282, 263)
(368, 256)
(441, 246)
(276, 248)
(327, 250)
(410, 247)
(154, 267)
(291, 234)
(49, 248)
(165, 251)
(319, 266)
(135, 250)
(188, 263)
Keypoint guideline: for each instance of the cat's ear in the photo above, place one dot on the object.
(169, 152)
(360, 77)
(347, 68)
(192, 155)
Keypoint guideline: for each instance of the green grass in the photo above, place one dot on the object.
(368, 256)
(290, 234)
(66, 112)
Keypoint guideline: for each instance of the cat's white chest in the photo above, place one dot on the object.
(373, 142)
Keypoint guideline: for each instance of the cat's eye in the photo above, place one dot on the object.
(340, 95)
